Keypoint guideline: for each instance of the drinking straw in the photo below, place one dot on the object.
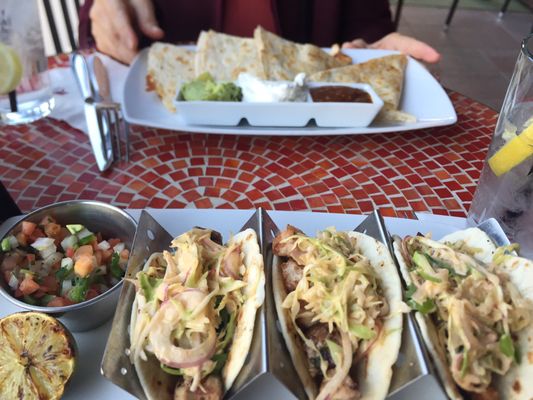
(13, 100)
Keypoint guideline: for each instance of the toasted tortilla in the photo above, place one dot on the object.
(282, 59)
(374, 376)
(384, 74)
(169, 67)
(515, 384)
(226, 56)
(159, 385)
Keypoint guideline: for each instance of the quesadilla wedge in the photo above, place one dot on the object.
(338, 298)
(282, 59)
(193, 316)
(169, 67)
(474, 307)
(226, 56)
(384, 74)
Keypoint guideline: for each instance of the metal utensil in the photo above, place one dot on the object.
(98, 128)
(118, 124)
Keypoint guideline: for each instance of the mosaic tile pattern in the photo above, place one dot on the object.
(432, 170)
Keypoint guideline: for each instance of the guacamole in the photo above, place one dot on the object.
(205, 88)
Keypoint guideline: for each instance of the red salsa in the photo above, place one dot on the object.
(339, 94)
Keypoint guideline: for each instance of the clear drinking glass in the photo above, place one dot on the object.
(20, 34)
(505, 189)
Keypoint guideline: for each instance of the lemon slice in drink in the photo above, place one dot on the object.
(10, 69)
(513, 152)
(37, 357)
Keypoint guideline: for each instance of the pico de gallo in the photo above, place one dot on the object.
(51, 265)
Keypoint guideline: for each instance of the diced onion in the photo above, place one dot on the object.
(13, 282)
(84, 233)
(43, 243)
(13, 242)
(69, 242)
(48, 251)
(67, 263)
(101, 270)
(66, 286)
(52, 259)
(119, 247)
(104, 245)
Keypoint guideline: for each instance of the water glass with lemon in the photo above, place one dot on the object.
(25, 91)
(505, 189)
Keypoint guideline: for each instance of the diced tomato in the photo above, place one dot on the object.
(22, 239)
(28, 286)
(94, 243)
(69, 252)
(91, 293)
(113, 242)
(18, 293)
(84, 265)
(106, 255)
(28, 227)
(52, 230)
(124, 254)
(50, 284)
(85, 250)
(58, 302)
(30, 257)
(37, 233)
(98, 255)
(55, 267)
(39, 293)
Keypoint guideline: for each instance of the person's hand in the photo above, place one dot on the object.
(113, 22)
(405, 44)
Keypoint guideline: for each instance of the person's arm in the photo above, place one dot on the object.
(396, 41)
(113, 23)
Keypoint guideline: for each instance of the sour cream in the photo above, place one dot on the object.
(255, 90)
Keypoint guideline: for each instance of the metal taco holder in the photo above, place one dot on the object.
(268, 361)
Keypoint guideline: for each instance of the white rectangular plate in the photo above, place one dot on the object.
(87, 382)
(422, 97)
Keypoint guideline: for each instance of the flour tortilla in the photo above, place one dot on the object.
(226, 56)
(515, 384)
(374, 376)
(169, 67)
(157, 384)
(282, 59)
(384, 74)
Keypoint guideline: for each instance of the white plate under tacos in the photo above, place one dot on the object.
(423, 97)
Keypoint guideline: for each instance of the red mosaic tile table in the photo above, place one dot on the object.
(431, 170)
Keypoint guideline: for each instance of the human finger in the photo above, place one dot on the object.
(355, 44)
(119, 14)
(145, 16)
(109, 42)
(408, 45)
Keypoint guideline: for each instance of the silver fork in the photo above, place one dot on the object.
(111, 110)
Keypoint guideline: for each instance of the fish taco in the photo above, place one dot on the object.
(193, 316)
(339, 301)
(473, 304)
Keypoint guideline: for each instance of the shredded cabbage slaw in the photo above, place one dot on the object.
(475, 307)
(188, 302)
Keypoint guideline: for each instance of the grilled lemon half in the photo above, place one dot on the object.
(36, 357)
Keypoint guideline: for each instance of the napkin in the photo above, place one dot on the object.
(68, 100)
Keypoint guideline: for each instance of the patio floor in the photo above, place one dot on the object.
(478, 51)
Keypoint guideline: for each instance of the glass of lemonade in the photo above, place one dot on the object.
(505, 189)
(25, 91)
